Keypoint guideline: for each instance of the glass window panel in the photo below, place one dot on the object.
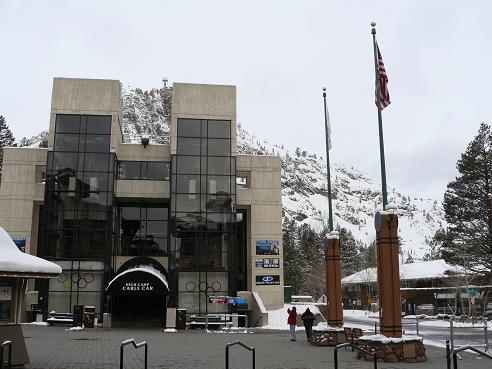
(189, 128)
(204, 147)
(188, 146)
(157, 170)
(67, 123)
(188, 164)
(130, 213)
(97, 162)
(219, 128)
(95, 182)
(97, 201)
(129, 169)
(219, 184)
(184, 183)
(185, 204)
(217, 165)
(219, 203)
(157, 228)
(157, 213)
(63, 161)
(219, 147)
(99, 124)
(143, 170)
(162, 246)
(66, 142)
(97, 143)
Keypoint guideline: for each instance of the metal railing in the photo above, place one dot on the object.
(411, 322)
(9, 362)
(252, 349)
(452, 327)
(224, 316)
(337, 347)
(454, 354)
(136, 345)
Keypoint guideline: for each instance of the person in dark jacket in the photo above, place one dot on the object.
(308, 320)
(292, 322)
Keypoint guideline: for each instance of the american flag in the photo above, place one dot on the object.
(382, 84)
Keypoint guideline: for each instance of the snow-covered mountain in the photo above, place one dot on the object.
(356, 196)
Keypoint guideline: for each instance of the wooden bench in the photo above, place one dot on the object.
(60, 318)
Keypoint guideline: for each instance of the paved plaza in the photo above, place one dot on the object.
(57, 348)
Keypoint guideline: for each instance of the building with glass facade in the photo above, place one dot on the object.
(141, 227)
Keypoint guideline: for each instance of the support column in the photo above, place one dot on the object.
(333, 281)
(386, 223)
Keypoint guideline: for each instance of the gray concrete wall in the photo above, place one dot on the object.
(86, 96)
(264, 197)
(134, 188)
(19, 192)
(199, 101)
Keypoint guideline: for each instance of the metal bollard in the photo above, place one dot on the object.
(448, 355)
(486, 338)
(451, 332)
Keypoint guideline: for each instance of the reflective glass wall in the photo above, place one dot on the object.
(203, 198)
(77, 219)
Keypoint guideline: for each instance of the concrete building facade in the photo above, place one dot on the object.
(138, 227)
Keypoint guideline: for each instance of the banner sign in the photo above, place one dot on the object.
(20, 242)
(227, 300)
(267, 280)
(268, 263)
(5, 293)
(267, 247)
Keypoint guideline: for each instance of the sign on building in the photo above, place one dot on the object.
(267, 247)
(267, 280)
(268, 263)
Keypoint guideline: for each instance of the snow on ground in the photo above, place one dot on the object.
(36, 323)
(360, 314)
(277, 319)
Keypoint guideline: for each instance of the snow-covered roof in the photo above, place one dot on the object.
(420, 270)
(14, 261)
(142, 268)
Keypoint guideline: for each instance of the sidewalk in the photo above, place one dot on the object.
(56, 348)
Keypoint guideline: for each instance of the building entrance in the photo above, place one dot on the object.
(139, 293)
(139, 311)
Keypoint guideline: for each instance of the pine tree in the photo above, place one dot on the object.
(292, 256)
(6, 138)
(350, 256)
(468, 207)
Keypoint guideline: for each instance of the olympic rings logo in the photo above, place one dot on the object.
(75, 278)
(203, 286)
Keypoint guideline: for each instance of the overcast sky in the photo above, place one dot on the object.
(279, 54)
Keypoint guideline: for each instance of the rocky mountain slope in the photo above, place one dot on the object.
(356, 197)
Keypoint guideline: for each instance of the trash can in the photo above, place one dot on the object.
(107, 321)
(180, 318)
(78, 315)
(89, 315)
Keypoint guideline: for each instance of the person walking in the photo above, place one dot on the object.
(292, 322)
(308, 320)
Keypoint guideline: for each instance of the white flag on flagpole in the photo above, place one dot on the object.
(328, 127)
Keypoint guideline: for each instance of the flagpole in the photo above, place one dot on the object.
(330, 211)
(380, 119)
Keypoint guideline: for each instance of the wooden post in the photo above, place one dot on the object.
(333, 281)
(386, 224)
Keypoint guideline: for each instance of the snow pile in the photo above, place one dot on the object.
(75, 329)
(421, 270)
(15, 261)
(384, 340)
(170, 330)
